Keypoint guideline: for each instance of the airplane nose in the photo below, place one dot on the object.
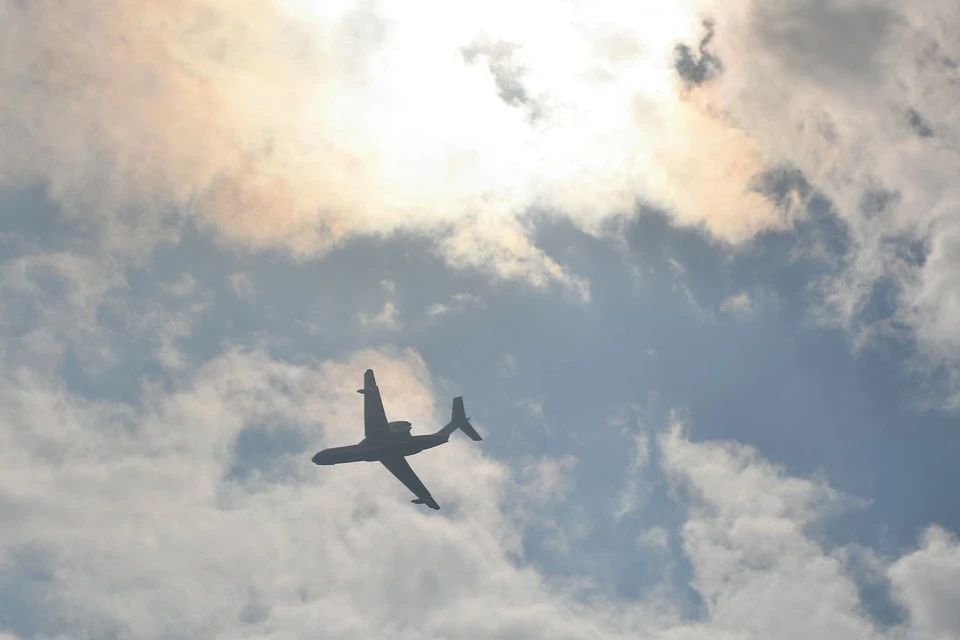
(318, 458)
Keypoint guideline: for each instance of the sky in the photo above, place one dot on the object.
(694, 267)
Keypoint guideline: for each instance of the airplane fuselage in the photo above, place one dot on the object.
(368, 450)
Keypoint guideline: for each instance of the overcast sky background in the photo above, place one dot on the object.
(694, 267)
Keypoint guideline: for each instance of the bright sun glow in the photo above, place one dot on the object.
(491, 108)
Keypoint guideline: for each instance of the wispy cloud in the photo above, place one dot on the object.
(682, 287)
(182, 286)
(458, 303)
(633, 491)
(242, 285)
(655, 537)
(389, 316)
(547, 479)
(740, 304)
(533, 407)
(508, 366)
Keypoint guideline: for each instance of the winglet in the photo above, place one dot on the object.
(430, 502)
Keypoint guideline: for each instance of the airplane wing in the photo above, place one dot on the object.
(374, 418)
(401, 469)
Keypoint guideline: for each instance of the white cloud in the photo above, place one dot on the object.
(508, 366)
(634, 490)
(924, 582)
(242, 285)
(153, 534)
(389, 316)
(858, 96)
(757, 570)
(547, 479)
(656, 537)
(462, 128)
(457, 304)
(139, 505)
(459, 122)
(51, 301)
(676, 266)
(533, 407)
(748, 304)
(738, 304)
(59, 303)
(503, 247)
(681, 287)
(182, 286)
(437, 309)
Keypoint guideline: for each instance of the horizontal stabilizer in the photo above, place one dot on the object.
(468, 429)
(459, 420)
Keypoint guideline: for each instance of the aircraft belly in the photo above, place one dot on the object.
(373, 451)
(392, 450)
(342, 455)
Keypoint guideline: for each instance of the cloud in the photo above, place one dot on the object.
(656, 537)
(856, 96)
(532, 407)
(75, 307)
(920, 581)
(130, 500)
(748, 304)
(303, 125)
(508, 366)
(547, 479)
(504, 248)
(930, 303)
(153, 531)
(183, 286)
(635, 489)
(681, 286)
(243, 286)
(738, 304)
(295, 125)
(53, 299)
(457, 304)
(389, 316)
(756, 568)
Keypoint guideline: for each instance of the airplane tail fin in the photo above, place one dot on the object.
(459, 420)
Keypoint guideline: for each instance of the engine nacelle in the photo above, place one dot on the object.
(399, 426)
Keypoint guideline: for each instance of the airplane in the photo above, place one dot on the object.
(390, 442)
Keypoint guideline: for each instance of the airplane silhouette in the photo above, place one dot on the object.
(390, 442)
